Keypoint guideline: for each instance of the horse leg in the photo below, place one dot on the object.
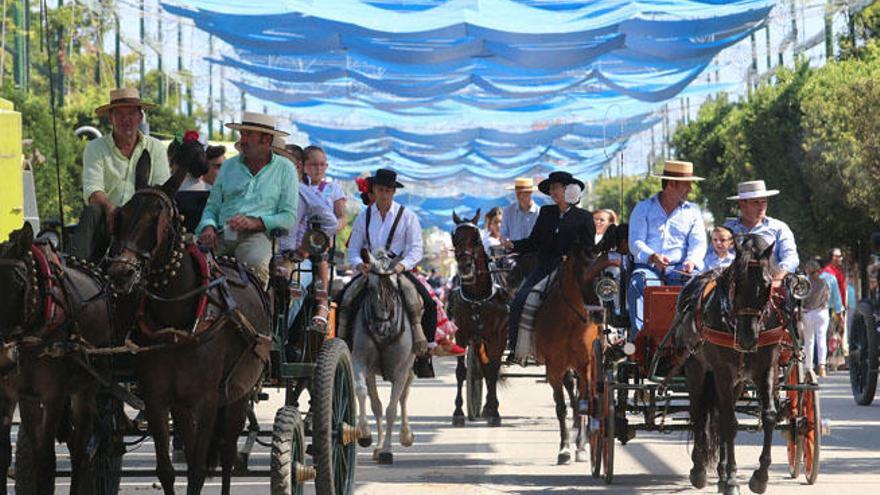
(573, 384)
(8, 409)
(157, 420)
(233, 424)
(406, 435)
(205, 414)
(490, 411)
(728, 423)
(376, 406)
(460, 376)
(397, 387)
(365, 437)
(82, 415)
(699, 412)
(44, 444)
(758, 482)
(564, 456)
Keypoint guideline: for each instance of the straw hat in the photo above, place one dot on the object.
(678, 170)
(259, 122)
(123, 97)
(752, 189)
(563, 178)
(522, 184)
(279, 148)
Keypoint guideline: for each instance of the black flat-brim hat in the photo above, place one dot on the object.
(563, 178)
(387, 178)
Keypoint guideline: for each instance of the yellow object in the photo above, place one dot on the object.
(12, 196)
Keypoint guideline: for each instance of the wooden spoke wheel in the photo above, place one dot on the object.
(609, 420)
(812, 434)
(793, 443)
(596, 434)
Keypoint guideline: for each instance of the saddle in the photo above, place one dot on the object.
(525, 345)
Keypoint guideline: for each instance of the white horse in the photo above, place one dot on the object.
(382, 345)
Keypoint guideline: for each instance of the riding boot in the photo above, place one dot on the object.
(414, 309)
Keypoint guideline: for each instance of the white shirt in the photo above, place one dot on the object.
(331, 191)
(191, 183)
(407, 240)
(489, 242)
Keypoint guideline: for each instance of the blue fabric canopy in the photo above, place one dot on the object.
(472, 90)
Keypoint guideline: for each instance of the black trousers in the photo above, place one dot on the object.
(91, 239)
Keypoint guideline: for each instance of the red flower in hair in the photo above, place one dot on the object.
(190, 136)
(363, 184)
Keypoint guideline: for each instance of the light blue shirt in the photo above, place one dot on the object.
(271, 195)
(517, 224)
(680, 235)
(312, 207)
(773, 231)
(834, 302)
(712, 260)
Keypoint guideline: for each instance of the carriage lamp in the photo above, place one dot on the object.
(318, 242)
(799, 285)
(607, 289)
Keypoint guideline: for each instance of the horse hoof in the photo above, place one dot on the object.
(365, 441)
(385, 458)
(494, 421)
(581, 456)
(458, 421)
(365, 436)
(756, 484)
(376, 454)
(407, 438)
(698, 479)
(563, 459)
(731, 490)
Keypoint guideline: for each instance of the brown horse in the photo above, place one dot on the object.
(210, 323)
(479, 309)
(564, 334)
(53, 312)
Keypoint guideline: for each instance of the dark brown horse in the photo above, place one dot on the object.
(52, 312)
(734, 329)
(211, 322)
(479, 308)
(564, 332)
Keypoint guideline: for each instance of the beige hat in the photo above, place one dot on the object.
(259, 122)
(279, 148)
(752, 189)
(123, 97)
(678, 170)
(523, 184)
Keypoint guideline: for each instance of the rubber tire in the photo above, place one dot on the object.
(25, 473)
(107, 461)
(596, 437)
(812, 439)
(610, 420)
(473, 385)
(288, 448)
(332, 365)
(794, 445)
(863, 356)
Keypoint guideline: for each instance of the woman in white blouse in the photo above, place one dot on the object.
(492, 230)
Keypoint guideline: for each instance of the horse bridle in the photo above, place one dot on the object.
(749, 312)
(21, 269)
(470, 256)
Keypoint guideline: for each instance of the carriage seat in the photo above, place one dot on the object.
(652, 340)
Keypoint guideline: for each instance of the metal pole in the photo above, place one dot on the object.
(161, 75)
(829, 30)
(179, 62)
(767, 39)
(117, 60)
(211, 88)
(61, 58)
(792, 12)
(27, 45)
(142, 85)
(18, 61)
(243, 102)
(99, 53)
(222, 112)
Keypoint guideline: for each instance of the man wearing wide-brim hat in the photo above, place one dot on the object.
(255, 193)
(751, 197)
(114, 167)
(559, 227)
(388, 225)
(521, 215)
(667, 237)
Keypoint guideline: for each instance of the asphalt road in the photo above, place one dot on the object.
(520, 456)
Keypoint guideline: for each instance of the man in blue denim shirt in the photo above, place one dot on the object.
(752, 201)
(667, 237)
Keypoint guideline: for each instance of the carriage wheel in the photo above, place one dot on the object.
(863, 349)
(333, 415)
(609, 420)
(474, 384)
(107, 461)
(288, 458)
(793, 443)
(597, 434)
(812, 435)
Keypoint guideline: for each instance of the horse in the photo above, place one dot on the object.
(731, 330)
(480, 310)
(382, 345)
(203, 325)
(54, 310)
(564, 332)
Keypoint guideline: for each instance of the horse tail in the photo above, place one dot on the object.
(713, 422)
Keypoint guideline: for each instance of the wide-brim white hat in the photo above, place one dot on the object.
(259, 122)
(752, 189)
(678, 170)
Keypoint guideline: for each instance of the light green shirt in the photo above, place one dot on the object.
(271, 195)
(106, 169)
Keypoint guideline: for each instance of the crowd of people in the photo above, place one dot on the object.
(273, 185)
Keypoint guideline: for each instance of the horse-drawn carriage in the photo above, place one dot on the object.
(641, 384)
(299, 357)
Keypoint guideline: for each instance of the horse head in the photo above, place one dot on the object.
(468, 245)
(382, 291)
(750, 283)
(147, 233)
(582, 266)
(18, 277)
